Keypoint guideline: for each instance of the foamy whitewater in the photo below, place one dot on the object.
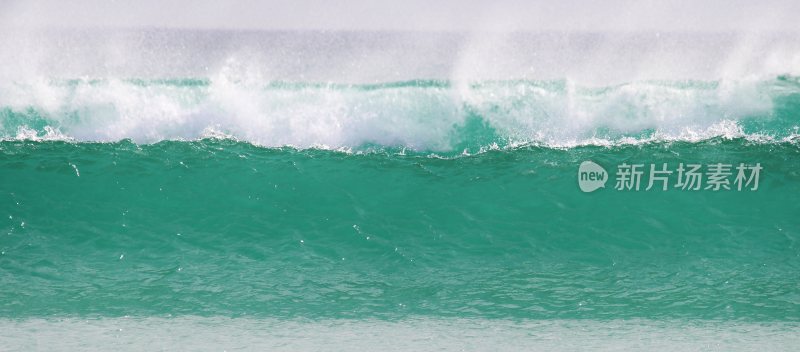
(424, 91)
(377, 190)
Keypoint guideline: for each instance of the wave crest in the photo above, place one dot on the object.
(420, 115)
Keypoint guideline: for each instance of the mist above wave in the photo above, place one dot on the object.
(368, 57)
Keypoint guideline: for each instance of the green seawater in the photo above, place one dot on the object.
(223, 228)
(212, 189)
(235, 212)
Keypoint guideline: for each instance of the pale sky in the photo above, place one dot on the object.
(423, 15)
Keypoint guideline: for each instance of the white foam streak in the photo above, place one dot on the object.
(412, 334)
(240, 103)
(49, 134)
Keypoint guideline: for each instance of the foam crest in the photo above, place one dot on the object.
(241, 102)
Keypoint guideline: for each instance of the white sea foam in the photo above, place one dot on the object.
(416, 115)
(415, 334)
(556, 89)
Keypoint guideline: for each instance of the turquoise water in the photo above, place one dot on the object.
(218, 227)
(234, 204)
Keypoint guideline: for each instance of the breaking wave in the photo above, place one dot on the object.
(434, 115)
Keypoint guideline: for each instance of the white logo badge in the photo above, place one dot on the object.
(591, 176)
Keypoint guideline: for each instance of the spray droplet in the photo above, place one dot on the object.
(78, 173)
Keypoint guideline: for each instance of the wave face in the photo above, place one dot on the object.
(218, 227)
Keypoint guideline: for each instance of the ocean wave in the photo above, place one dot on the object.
(423, 115)
(323, 234)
